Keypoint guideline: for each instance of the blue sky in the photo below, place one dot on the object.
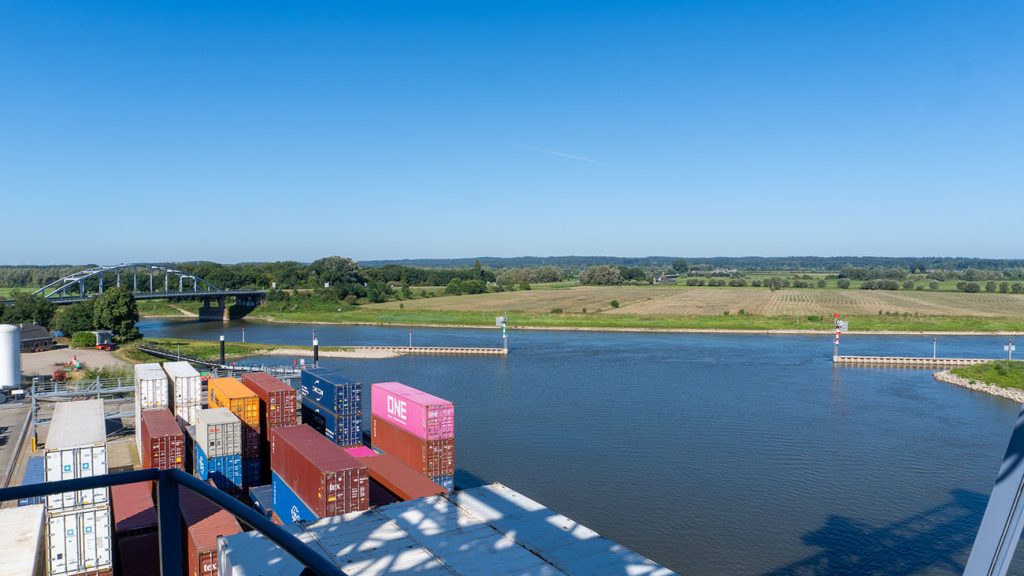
(290, 130)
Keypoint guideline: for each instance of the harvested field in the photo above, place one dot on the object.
(705, 301)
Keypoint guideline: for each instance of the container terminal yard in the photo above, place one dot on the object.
(256, 475)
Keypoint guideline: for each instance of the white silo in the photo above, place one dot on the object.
(10, 356)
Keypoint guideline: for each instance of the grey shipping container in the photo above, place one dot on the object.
(218, 432)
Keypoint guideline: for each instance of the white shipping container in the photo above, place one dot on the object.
(76, 447)
(150, 386)
(71, 463)
(186, 383)
(188, 412)
(79, 541)
(218, 432)
(22, 542)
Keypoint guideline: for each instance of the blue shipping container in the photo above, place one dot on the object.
(34, 474)
(262, 498)
(250, 472)
(446, 482)
(331, 391)
(289, 507)
(226, 471)
(346, 430)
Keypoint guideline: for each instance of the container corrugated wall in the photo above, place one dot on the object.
(333, 405)
(417, 428)
(204, 522)
(324, 477)
(242, 402)
(187, 390)
(163, 444)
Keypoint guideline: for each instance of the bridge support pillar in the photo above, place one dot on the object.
(215, 308)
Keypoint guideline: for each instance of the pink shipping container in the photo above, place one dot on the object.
(423, 415)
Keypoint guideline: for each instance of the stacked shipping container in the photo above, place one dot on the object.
(415, 427)
(204, 523)
(333, 405)
(277, 409)
(151, 391)
(78, 523)
(135, 525)
(245, 404)
(163, 444)
(218, 449)
(313, 478)
(187, 392)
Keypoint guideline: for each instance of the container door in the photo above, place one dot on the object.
(99, 467)
(68, 469)
(57, 545)
(87, 522)
(72, 549)
(103, 551)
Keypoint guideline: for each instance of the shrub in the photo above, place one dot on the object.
(737, 282)
(556, 310)
(83, 340)
(822, 283)
(972, 287)
(933, 285)
(614, 303)
(843, 283)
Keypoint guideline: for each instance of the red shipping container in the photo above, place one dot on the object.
(398, 478)
(140, 555)
(204, 522)
(431, 458)
(133, 509)
(320, 473)
(163, 444)
(277, 401)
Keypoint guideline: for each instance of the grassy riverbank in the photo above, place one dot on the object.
(1003, 373)
(367, 315)
(209, 350)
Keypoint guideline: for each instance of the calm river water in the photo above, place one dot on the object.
(711, 454)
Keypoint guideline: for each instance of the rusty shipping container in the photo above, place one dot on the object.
(133, 509)
(398, 478)
(204, 523)
(277, 401)
(163, 444)
(242, 402)
(432, 458)
(322, 475)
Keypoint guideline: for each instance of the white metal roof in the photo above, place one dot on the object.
(487, 530)
(180, 370)
(75, 424)
(21, 540)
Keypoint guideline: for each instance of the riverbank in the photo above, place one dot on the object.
(210, 350)
(947, 376)
(929, 326)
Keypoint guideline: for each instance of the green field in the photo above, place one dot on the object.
(6, 291)
(1005, 373)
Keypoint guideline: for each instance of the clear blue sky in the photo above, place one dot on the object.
(291, 130)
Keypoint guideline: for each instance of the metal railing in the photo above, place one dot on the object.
(167, 354)
(169, 517)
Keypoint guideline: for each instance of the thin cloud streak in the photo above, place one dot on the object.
(552, 152)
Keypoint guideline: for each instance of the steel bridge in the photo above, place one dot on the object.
(145, 281)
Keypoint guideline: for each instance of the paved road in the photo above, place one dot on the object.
(41, 363)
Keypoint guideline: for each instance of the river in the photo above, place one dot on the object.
(712, 454)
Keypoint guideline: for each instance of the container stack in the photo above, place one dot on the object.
(245, 404)
(151, 391)
(415, 427)
(78, 523)
(313, 478)
(218, 449)
(135, 525)
(277, 409)
(163, 444)
(204, 523)
(188, 391)
(333, 405)
(391, 480)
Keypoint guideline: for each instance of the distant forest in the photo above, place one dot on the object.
(743, 263)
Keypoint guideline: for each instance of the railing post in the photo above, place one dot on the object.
(170, 525)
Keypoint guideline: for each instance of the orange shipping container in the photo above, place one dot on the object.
(242, 402)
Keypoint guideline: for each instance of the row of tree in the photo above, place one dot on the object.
(114, 310)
